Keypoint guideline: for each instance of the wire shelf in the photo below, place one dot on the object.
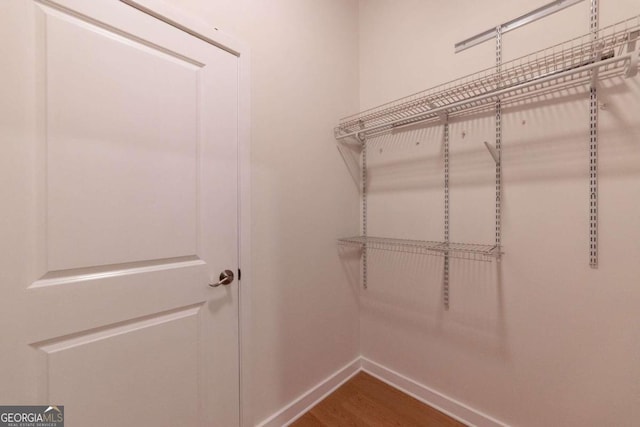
(468, 251)
(611, 49)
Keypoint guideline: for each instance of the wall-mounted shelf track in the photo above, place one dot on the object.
(614, 48)
(466, 251)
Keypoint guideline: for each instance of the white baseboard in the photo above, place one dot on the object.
(302, 404)
(437, 400)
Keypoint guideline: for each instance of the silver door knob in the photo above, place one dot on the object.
(226, 277)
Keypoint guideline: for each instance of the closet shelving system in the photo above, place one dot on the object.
(474, 252)
(604, 53)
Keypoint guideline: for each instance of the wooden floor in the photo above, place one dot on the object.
(367, 401)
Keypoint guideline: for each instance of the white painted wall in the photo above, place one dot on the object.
(542, 340)
(304, 77)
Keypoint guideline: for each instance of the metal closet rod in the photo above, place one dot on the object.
(420, 117)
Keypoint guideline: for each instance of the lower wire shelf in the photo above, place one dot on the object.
(469, 251)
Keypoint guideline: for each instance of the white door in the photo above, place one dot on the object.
(118, 189)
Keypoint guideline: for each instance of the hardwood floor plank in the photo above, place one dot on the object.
(365, 401)
(373, 413)
(309, 420)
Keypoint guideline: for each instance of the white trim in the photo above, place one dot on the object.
(202, 30)
(245, 265)
(172, 15)
(433, 398)
(445, 404)
(302, 404)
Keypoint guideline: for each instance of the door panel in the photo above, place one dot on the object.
(120, 386)
(123, 116)
(124, 206)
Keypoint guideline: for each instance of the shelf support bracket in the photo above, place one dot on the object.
(633, 47)
(493, 151)
(351, 161)
(442, 115)
(632, 69)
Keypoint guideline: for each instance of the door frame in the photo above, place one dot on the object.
(202, 30)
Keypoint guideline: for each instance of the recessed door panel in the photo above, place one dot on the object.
(122, 145)
(126, 368)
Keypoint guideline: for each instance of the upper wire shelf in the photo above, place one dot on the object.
(610, 49)
(467, 251)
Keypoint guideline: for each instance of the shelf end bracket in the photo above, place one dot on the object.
(494, 153)
(442, 115)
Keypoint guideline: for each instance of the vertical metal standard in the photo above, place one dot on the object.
(364, 210)
(499, 143)
(593, 146)
(445, 284)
